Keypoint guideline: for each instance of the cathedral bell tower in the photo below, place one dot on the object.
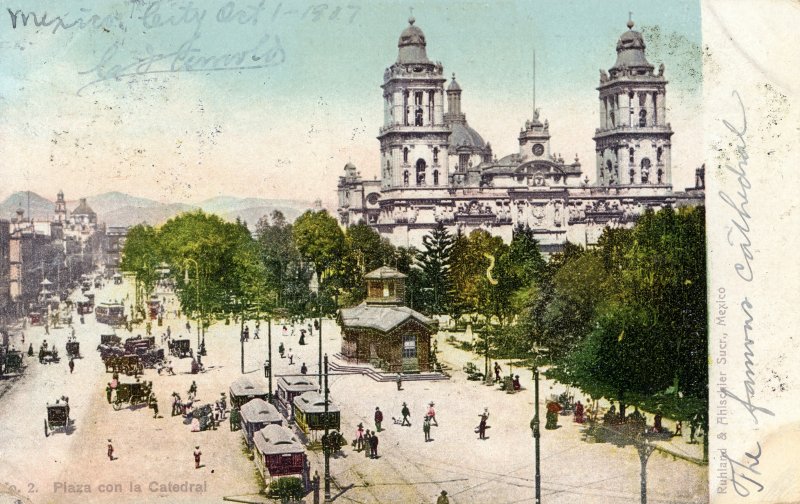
(633, 140)
(414, 136)
(534, 139)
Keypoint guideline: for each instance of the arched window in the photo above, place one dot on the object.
(463, 161)
(660, 174)
(436, 177)
(630, 155)
(435, 154)
(421, 172)
(645, 169)
(613, 121)
(632, 173)
(608, 166)
(642, 118)
(405, 178)
(659, 152)
(405, 154)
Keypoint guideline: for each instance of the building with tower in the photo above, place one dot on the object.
(436, 169)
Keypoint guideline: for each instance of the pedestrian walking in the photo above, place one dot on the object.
(108, 392)
(302, 336)
(482, 425)
(47, 329)
(110, 450)
(169, 332)
(266, 368)
(281, 349)
(399, 381)
(443, 498)
(360, 437)
(432, 414)
(291, 357)
(426, 428)
(303, 369)
(154, 405)
(406, 413)
(197, 454)
(284, 332)
(378, 418)
(188, 326)
(255, 333)
(373, 442)
(193, 389)
(71, 365)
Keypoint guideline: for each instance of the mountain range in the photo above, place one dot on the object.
(121, 209)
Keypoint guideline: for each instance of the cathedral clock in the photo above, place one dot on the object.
(538, 149)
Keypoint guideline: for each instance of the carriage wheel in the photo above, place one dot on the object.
(46, 433)
(117, 405)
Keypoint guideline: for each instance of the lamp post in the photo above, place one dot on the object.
(535, 422)
(327, 436)
(197, 300)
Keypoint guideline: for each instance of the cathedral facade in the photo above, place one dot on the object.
(436, 169)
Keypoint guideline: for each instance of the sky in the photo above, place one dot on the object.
(180, 101)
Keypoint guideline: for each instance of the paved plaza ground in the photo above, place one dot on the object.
(155, 451)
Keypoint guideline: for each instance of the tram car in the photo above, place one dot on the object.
(57, 417)
(180, 348)
(83, 306)
(255, 415)
(309, 413)
(278, 452)
(112, 314)
(245, 389)
(132, 393)
(139, 345)
(290, 387)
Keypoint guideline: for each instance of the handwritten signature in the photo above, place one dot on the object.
(749, 381)
(745, 472)
(268, 52)
(740, 221)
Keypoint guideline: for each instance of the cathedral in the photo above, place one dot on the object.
(436, 169)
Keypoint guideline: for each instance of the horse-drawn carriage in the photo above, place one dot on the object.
(73, 348)
(10, 361)
(47, 354)
(57, 417)
(180, 348)
(205, 417)
(152, 357)
(126, 364)
(132, 393)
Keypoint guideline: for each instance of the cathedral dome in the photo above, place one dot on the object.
(412, 45)
(630, 50)
(464, 136)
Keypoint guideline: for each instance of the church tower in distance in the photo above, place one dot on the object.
(633, 140)
(414, 136)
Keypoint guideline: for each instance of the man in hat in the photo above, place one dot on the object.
(399, 381)
(71, 365)
(360, 437)
(432, 414)
(197, 454)
(406, 413)
(110, 450)
(373, 442)
(303, 369)
(378, 418)
(443, 498)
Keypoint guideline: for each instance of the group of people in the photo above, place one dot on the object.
(367, 441)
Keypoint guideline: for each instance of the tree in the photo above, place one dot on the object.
(434, 261)
(141, 255)
(320, 241)
(285, 273)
